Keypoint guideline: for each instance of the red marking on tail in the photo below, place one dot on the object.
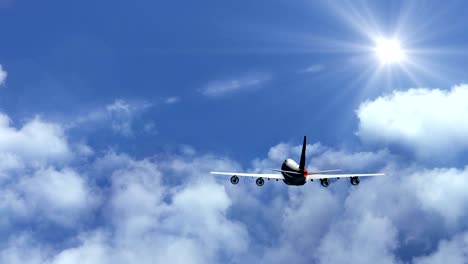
(305, 173)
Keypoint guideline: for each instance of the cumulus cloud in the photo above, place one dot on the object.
(34, 142)
(48, 195)
(65, 193)
(36, 183)
(366, 239)
(22, 248)
(454, 250)
(445, 194)
(93, 249)
(141, 216)
(151, 221)
(223, 87)
(3, 74)
(429, 122)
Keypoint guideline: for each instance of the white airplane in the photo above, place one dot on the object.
(296, 174)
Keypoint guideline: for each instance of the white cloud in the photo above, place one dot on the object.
(65, 194)
(351, 161)
(432, 123)
(35, 142)
(21, 249)
(30, 186)
(93, 249)
(83, 150)
(62, 197)
(223, 87)
(445, 192)
(10, 162)
(454, 250)
(3, 75)
(209, 215)
(145, 219)
(151, 221)
(367, 239)
(136, 196)
(52, 187)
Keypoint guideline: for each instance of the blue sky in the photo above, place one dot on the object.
(113, 113)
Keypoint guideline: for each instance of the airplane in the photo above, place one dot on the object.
(296, 174)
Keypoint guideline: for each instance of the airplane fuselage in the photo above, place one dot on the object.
(296, 178)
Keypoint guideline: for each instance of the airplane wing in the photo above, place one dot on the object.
(257, 175)
(329, 176)
(319, 172)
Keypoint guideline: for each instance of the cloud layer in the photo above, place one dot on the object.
(113, 208)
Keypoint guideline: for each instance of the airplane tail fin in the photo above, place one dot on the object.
(303, 155)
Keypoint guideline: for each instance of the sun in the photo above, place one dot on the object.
(389, 51)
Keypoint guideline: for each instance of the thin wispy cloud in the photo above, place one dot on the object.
(222, 87)
(313, 69)
(120, 115)
(3, 75)
(172, 100)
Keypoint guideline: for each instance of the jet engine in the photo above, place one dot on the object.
(355, 180)
(234, 179)
(260, 182)
(325, 182)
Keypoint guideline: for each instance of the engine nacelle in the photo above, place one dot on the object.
(234, 179)
(354, 180)
(325, 182)
(260, 182)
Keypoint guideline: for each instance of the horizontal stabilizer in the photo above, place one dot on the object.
(292, 172)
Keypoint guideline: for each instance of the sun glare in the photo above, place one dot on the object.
(389, 51)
